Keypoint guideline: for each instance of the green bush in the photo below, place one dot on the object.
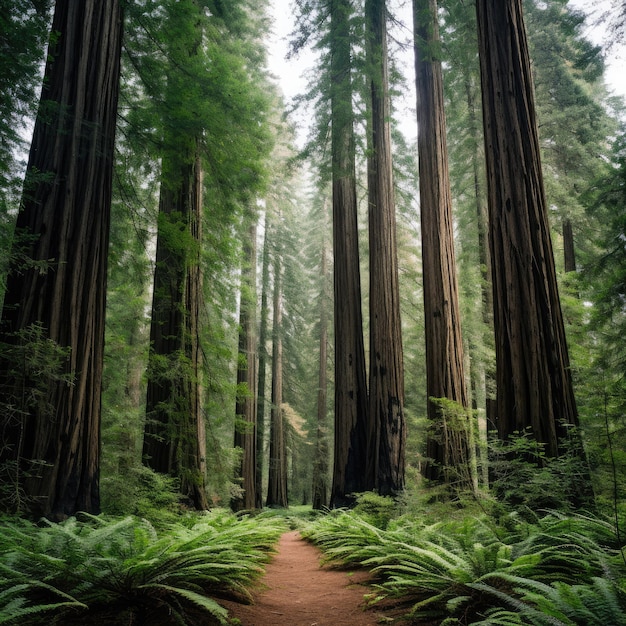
(142, 492)
(524, 478)
(375, 509)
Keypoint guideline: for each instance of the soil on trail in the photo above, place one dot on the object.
(297, 591)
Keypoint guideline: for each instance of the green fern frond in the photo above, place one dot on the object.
(98, 561)
(205, 603)
(527, 573)
(16, 606)
(524, 613)
(598, 604)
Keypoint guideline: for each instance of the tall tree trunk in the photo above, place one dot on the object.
(63, 228)
(320, 461)
(387, 431)
(245, 426)
(263, 357)
(351, 403)
(482, 375)
(534, 386)
(277, 482)
(174, 437)
(569, 250)
(448, 445)
(482, 218)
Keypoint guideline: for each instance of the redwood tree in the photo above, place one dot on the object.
(447, 444)
(263, 359)
(277, 480)
(174, 437)
(387, 432)
(245, 420)
(57, 280)
(534, 386)
(351, 402)
(320, 459)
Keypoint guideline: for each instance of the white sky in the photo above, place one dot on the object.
(289, 72)
(615, 57)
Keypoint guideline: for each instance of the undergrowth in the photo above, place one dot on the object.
(127, 570)
(558, 570)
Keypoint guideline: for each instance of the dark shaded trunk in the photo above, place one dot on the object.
(569, 250)
(174, 436)
(482, 218)
(534, 386)
(263, 358)
(63, 232)
(320, 461)
(245, 411)
(386, 377)
(277, 480)
(351, 403)
(447, 447)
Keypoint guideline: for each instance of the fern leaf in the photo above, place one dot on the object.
(202, 601)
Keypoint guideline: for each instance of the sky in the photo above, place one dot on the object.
(289, 72)
(292, 73)
(616, 57)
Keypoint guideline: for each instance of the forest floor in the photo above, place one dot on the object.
(297, 591)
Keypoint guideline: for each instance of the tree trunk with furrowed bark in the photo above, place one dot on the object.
(387, 433)
(448, 446)
(57, 279)
(351, 402)
(534, 384)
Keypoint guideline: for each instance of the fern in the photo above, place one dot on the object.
(558, 571)
(16, 607)
(94, 563)
(598, 604)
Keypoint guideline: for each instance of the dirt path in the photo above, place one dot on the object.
(296, 591)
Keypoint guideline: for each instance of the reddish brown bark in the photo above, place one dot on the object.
(386, 388)
(534, 386)
(277, 479)
(351, 403)
(245, 426)
(66, 214)
(447, 446)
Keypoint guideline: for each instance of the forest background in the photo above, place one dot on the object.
(216, 297)
(265, 210)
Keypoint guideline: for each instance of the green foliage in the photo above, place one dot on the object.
(295, 517)
(603, 286)
(123, 568)
(32, 363)
(561, 569)
(523, 477)
(139, 491)
(453, 430)
(23, 30)
(597, 604)
(375, 509)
